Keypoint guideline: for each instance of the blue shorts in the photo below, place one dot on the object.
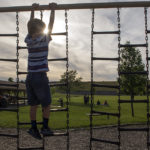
(38, 89)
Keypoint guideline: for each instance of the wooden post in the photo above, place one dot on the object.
(79, 6)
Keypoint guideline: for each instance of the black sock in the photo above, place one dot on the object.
(33, 124)
(45, 122)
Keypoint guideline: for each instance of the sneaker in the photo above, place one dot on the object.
(35, 133)
(46, 131)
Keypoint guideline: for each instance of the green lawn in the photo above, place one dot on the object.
(79, 113)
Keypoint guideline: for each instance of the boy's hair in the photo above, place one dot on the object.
(34, 25)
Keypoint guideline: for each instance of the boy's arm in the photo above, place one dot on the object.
(34, 6)
(52, 17)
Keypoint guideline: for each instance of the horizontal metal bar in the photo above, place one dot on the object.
(58, 59)
(133, 129)
(12, 60)
(31, 148)
(78, 6)
(9, 109)
(133, 45)
(106, 86)
(57, 84)
(135, 101)
(138, 73)
(106, 113)
(106, 32)
(148, 31)
(58, 134)
(98, 58)
(105, 141)
(9, 135)
(57, 110)
(61, 33)
(22, 47)
(13, 85)
(9, 34)
(28, 123)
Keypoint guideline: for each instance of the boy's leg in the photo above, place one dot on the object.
(45, 129)
(46, 114)
(33, 110)
(33, 130)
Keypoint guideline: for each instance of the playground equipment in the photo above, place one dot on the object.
(94, 6)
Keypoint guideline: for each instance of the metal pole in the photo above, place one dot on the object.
(79, 6)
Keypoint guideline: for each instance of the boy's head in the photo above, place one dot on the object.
(36, 26)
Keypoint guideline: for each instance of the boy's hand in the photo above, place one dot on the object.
(35, 5)
(52, 5)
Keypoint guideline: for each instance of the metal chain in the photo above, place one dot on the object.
(41, 14)
(92, 89)
(119, 109)
(67, 78)
(17, 79)
(147, 69)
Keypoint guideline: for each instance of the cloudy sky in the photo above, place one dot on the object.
(132, 29)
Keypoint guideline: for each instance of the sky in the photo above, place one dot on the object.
(79, 23)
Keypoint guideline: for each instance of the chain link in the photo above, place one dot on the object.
(147, 69)
(17, 79)
(119, 108)
(41, 14)
(67, 77)
(92, 89)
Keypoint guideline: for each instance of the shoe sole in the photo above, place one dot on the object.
(39, 138)
(47, 134)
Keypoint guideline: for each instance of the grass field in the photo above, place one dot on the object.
(79, 113)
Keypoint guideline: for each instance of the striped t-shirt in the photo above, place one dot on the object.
(38, 53)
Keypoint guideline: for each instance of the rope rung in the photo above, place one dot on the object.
(21, 73)
(20, 98)
(57, 84)
(133, 129)
(98, 58)
(9, 135)
(133, 45)
(148, 31)
(11, 60)
(58, 59)
(138, 73)
(61, 33)
(57, 110)
(106, 86)
(31, 148)
(135, 101)
(106, 32)
(105, 141)
(106, 113)
(58, 134)
(13, 85)
(9, 109)
(28, 123)
(22, 47)
(8, 34)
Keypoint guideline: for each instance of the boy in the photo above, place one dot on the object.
(38, 90)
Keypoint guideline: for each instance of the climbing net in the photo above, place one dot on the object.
(120, 101)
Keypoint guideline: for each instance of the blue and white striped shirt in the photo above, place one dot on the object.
(38, 53)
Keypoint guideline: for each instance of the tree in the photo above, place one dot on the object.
(73, 80)
(10, 79)
(133, 84)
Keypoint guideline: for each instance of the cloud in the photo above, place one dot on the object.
(79, 21)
